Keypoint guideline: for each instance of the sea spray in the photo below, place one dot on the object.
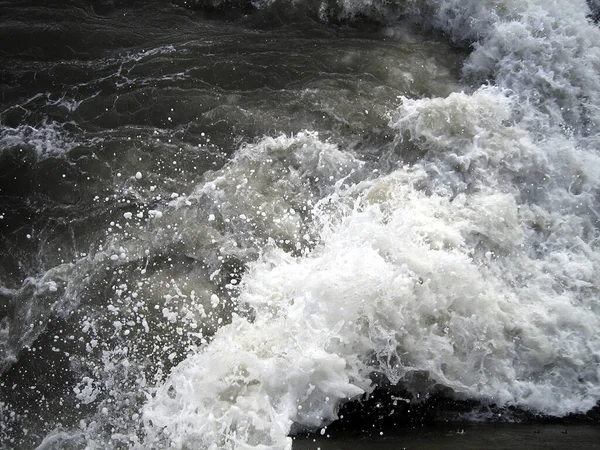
(393, 288)
(476, 265)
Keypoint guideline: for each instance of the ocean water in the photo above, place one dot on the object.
(469, 436)
(224, 223)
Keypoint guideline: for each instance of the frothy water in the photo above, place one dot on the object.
(216, 238)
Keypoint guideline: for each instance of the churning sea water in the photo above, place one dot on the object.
(221, 221)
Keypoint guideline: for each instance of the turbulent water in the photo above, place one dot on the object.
(221, 221)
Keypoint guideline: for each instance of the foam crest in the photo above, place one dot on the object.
(265, 192)
(477, 265)
(395, 287)
(549, 58)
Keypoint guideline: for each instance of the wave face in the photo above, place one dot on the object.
(416, 201)
(478, 264)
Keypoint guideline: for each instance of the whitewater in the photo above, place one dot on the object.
(455, 249)
(478, 264)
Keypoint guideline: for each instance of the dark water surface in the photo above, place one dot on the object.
(468, 437)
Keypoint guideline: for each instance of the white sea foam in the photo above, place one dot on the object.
(266, 192)
(478, 264)
(48, 139)
(406, 281)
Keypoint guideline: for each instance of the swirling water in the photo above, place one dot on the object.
(223, 221)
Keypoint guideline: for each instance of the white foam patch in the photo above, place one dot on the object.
(478, 264)
(395, 287)
(411, 276)
(47, 139)
(266, 191)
